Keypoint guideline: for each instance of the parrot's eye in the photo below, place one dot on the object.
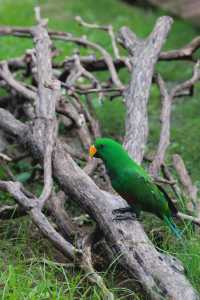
(101, 146)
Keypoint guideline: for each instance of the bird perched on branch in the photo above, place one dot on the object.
(133, 184)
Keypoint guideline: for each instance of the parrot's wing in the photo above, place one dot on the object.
(172, 207)
(141, 183)
(144, 180)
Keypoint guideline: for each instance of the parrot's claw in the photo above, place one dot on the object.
(125, 217)
(122, 210)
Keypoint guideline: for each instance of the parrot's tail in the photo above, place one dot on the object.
(170, 223)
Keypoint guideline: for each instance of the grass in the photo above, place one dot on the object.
(27, 262)
(29, 271)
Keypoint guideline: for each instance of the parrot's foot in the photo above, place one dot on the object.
(122, 210)
(125, 217)
(124, 213)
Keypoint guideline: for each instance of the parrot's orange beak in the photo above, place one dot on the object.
(92, 151)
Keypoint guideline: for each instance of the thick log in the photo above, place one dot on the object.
(145, 54)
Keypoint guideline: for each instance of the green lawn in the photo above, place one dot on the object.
(28, 270)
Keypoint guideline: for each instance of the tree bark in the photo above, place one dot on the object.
(144, 55)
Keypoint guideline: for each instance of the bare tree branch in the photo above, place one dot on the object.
(107, 57)
(185, 52)
(167, 97)
(68, 109)
(45, 128)
(5, 157)
(108, 28)
(19, 87)
(16, 190)
(186, 181)
(55, 205)
(192, 219)
(188, 83)
(58, 241)
(164, 141)
(78, 71)
(146, 54)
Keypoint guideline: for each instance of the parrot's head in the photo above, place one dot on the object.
(105, 149)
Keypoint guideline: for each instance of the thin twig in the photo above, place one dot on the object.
(79, 71)
(5, 157)
(186, 52)
(13, 83)
(107, 57)
(188, 83)
(108, 28)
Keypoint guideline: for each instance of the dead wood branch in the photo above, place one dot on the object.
(185, 52)
(186, 181)
(49, 232)
(68, 38)
(107, 28)
(107, 57)
(192, 219)
(79, 71)
(45, 127)
(77, 116)
(11, 82)
(30, 205)
(91, 64)
(188, 83)
(165, 128)
(168, 175)
(4, 157)
(55, 206)
(167, 97)
(144, 56)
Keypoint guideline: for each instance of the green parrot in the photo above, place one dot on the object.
(133, 184)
